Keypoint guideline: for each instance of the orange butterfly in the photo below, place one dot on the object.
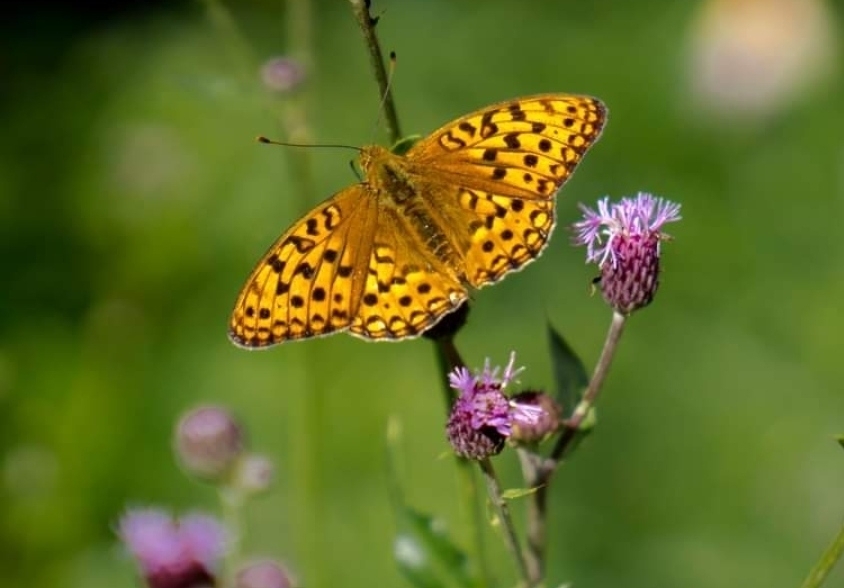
(389, 257)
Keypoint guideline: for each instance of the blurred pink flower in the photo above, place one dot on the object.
(750, 58)
(173, 553)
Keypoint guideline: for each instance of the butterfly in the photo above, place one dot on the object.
(387, 258)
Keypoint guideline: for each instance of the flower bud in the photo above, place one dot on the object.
(546, 423)
(208, 442)
(263, 574)
(282, 74)
(631, 282)
(253, 474)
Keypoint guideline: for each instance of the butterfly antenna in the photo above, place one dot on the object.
(265, 140)
(386, 94)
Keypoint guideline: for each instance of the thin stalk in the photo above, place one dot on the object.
(827, 561)
(231, 506)
(448, 358)
(511, 540)
(593, 390)
(367, 26)
(536, 513)
(539, 474)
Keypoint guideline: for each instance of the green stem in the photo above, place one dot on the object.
(367, 26)
(231, 505)
(448, 358)
(827, 561)
(593, 390)
(511, 540)
(539, 473)
(536, 514)
(236, 46)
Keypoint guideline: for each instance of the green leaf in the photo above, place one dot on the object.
(840, 439)
(425, 553)
(423, 549)
(402, 146)
(570, 374)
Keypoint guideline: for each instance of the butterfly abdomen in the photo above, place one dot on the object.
(426, 229)
(402, 191)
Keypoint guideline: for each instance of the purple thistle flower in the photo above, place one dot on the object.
(171, 553)
(482, 416)
(624, 240)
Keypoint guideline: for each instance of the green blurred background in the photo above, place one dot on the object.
(134, 201)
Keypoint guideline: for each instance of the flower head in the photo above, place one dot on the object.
(482, 416)
(173, 553)
(624, 240)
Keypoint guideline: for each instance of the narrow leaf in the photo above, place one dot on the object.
(570, 374)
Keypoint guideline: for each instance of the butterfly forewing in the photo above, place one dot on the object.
(525, 148)
(502, 167)
(309, 283)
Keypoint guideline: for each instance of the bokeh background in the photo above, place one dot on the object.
(134, 201)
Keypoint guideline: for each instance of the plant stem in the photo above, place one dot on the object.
(236, 45)
(593, 390)
(538, 473)
(827, 561)
(231, 506)
(448, 358)
(536, 513)
(367, 27)
(503, 511)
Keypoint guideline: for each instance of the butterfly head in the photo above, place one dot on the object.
(371, 157)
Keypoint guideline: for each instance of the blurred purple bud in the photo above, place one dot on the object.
(254, 474)
(282, 74)
(208, 442)
(263, 574)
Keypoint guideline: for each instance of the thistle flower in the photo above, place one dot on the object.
(624, 240)
(173, 553)
(482, 416)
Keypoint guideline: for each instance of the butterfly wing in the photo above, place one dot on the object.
(310, 282)
(495, 173)
(407, 288)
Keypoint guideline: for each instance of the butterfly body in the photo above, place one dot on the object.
(387, 258)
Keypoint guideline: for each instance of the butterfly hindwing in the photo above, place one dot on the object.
(407, 288)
